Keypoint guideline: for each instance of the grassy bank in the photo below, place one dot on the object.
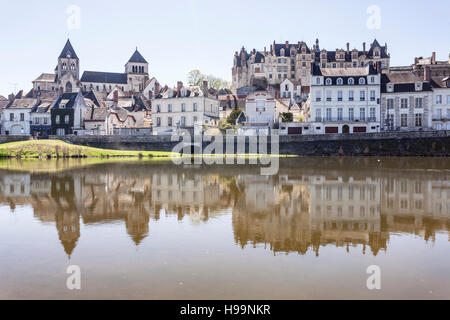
(59, 149)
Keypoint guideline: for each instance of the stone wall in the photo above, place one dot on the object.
(433, 143)
(436, 143)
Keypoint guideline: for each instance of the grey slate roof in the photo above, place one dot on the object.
(403, 82)
(104, 77)
(137, 58)
(71, 97)
(68, 49)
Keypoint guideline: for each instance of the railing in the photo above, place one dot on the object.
(345, 119)
(441, 118)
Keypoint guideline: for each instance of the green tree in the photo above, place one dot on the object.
(287, 117)
(233, 116)
(196, 78)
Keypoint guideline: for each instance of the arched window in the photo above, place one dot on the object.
(282, 52)
(328, 82)
(362, 81)
(340, 81)
(351, 81)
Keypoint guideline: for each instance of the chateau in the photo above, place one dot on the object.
(294, 62)
(66, 78)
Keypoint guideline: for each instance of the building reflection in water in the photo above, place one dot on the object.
(290, 212)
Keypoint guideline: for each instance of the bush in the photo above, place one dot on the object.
(287, 117)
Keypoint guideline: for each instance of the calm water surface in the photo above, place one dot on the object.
(159, 231)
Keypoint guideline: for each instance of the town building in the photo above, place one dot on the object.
(294, 62)
(16, 116)
(67, 114)
(260, 113)
(190, 108)
(441, 102)
(345, 100)
(406, 101)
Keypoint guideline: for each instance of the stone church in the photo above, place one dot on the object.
(67, 75)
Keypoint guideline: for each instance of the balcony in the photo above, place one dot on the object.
(440, 118)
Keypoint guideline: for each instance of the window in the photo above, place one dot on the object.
(419, 118)
(61, 132)
(439, 99)
(195, 107)
(317, 80)
(419, 103)
(372, 95)
(340, 81)
(318, 115)
(57, 119)
(169, 108)
(45, 121)
(158, 108)
(403, 120)
(351, 114)
(328, 114)
(11, 117)
(448, 99)
(158, 122)
(169, 121)
(66, 119)
(183, 121)
(362, 96)
(372, 79)
(339, 95)
(329, 95)
(195, 120)
(351, 96)
(340, 113)
(318, 96)
(22, 117)
(36, 120)
(390, 103)
(351, 81)
(362, 114)
(373, 114)
(362, 81)
(328, 82)
(183, 107)
(404, 103)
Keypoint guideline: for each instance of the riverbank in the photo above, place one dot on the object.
(35, 149)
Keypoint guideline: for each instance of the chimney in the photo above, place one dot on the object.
(265, 50)
(150, 95)
(271, 49)
(427, 74)
(157, 89)
(116, 97)
(433, 58)
(11, 97)
(205, 88)
(386, 47)
(179, 86)
(348, 47)
(364, 47)
(287, 44)
(416, 61)
(378, 66)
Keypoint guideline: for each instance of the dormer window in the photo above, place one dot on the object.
(390, 87)
(351, 81)
(340, 82)
(328, 82)
(62, 106)
(362, 81)
(282, 52)
(317, 80)
(419, 86)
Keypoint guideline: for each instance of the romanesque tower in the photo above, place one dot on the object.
(68, 69)
(137, 71)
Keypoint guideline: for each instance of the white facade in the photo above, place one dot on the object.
(260, 109)
(290, 90)
(441, 109)
(345, 101)
(17, 117)
(170, 114)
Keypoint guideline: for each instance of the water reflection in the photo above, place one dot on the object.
(310, 204)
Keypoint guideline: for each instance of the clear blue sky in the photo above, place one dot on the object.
(178, 36)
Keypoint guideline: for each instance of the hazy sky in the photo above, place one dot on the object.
(178, 36)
